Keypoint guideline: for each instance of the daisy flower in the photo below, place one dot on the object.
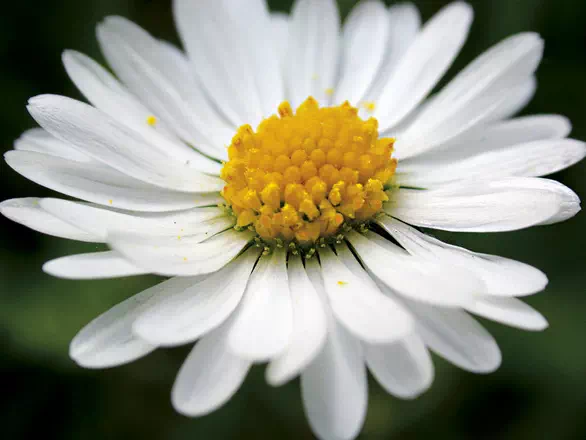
(279, 170)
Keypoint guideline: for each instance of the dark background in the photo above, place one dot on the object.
(539, 392)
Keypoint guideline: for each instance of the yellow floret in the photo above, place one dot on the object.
(302, 174)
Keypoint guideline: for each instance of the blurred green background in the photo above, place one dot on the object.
(539, 392)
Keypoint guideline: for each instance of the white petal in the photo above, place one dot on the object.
(183, 257)
(457, 337)
(497, 206)
(92, 266)
(40, 141)
(107, 140)
(412, 276)
(189, 311)
(404, 25)
(403, 368)
(334, 387)
(215, 42)
(493, 137)
(313, 50)
(532, 159)
(501, 276)
(261, 50)
(424, 63)
(470, 97)
(28, 212)
(106, 94)
(263, 323)
(364, 43)
(209, 377)
(101, 184)
(309, 327)
(280, 36)
(509, 311)
(359, 305)
(519, 97)
(108, 341)
(99, 220)
(130, 50)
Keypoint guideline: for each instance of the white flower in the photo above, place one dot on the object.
(300, 254)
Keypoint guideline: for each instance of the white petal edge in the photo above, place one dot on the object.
(489, 206)
(422, 280)
(101, 184)
(365, 36)
(108, 340)
(92, 266)
(334, 388)
(28, 212)
(262, 327)
(358, 303)
(501, 276)
(424, 63)
(404, 368)
(533, 159)
(189, 311)
(181, 257)
(309, 327)
(209, 377)
(509, 311)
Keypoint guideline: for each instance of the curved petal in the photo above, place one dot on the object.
(183, 257)
(209, 377)
(190, 311)
(424, 63)
(494, 206)
(108, 340)
(359, 305)
(493, 137)
(334, 388)
(109, 141)
(101, 184)
(309, 327)
(263, 324)
(99, 220)
(501, 276)
(533, 159)
(411, 276)
(509, 311)
(457, 337)
(106, 94)
(364, 43)
(28, 212)
(403, 368)
(92, 266)
(404, 25)
(215, 40)
(39, 140)
(313, 50)
(465, 100)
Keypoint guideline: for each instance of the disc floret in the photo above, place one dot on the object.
(303, 177)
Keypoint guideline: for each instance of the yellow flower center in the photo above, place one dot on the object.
(302, 176)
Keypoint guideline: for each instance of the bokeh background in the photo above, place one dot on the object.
(539, 392)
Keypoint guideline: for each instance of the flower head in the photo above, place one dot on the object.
(278, 171)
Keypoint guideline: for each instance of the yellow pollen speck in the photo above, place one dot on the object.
(184, 258)
(152, 121)
(305, 173)
(110, 201)
(369, 106)
(329, 91)
(342, 283)
(315, 77)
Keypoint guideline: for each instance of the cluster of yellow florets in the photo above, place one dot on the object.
(302, 175)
